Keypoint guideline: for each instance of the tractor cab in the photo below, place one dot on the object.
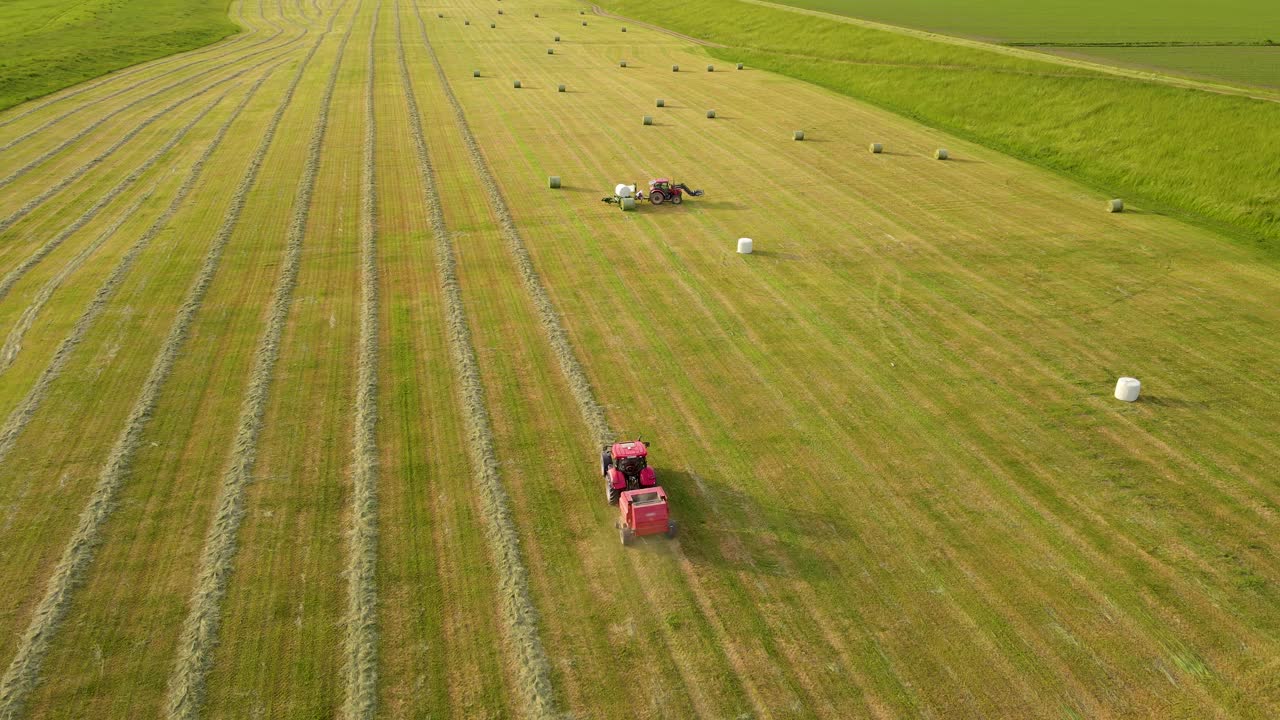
(644, 512)
(662, 184)
(625, 466)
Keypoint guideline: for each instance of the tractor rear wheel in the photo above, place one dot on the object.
(656, 197)
(676, 199)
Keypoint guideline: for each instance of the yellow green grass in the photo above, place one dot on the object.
(902, 483)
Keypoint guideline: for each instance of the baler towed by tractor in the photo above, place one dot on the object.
(633, 486)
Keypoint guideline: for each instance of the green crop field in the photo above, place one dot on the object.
(305, 371)
(1083, 25)
(46, 45)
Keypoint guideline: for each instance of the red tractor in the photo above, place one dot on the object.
(644, 512)
(624, 466)
(662, 190)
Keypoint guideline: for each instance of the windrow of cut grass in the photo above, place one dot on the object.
(1131, 139)
(360, 670)
(520, 618)
(23, 672)
(200, 629)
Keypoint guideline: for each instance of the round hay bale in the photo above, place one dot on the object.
(551, 51)
(536, 15)
(1128, 389)
(941, 154)
(622, 63)
(560, 88)
(711, 68)
(1115, 206)
(553, 182)
(466, 22)
(648, 119)
(628, 204)
(876, 148)
(661, 103)
(744, 246)
(517, 84)
(557, 38)
(493, 25)
(582, 12)
(675, 68)
(711, 113)
(624, 29)
(739, 66)
(499, 11)
(439, 15)
(584, 23)
(797, 135)
(475, 73)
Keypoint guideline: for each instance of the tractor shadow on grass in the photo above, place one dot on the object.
(725, 527)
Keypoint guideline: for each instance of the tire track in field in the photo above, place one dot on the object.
(142, 68)
(15, 274)
(361, 669)
(185, 693)
(84, 132)
(13, 341)
(518, 612)
(79, 172)
(23, 672)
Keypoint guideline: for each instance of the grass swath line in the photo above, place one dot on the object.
(518, 612)
(200, 629)
(361, 669)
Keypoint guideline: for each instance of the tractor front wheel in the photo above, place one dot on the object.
(676, 199)
(656, 197)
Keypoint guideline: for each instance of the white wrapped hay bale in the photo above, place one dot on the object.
(1127, 389)
(877, 148)
(711, 113)
(1116, 205)
(628, 204)
(739, 66)
(624, 191)
(648, 119)
(941, 154)
(516, 84)
(553, 182)
(744, 246)
(797, 135)
(675, 68)
(711, 68)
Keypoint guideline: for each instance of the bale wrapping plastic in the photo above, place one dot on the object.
(624, 191)
(744, 246)
(941, 154)
(877, 148)
(797, 135)
(553, 182)
(1127, 389)
(1115, 206)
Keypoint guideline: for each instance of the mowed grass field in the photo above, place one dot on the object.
(305, 372)
(1084, 25)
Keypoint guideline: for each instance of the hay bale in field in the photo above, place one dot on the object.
(661, 103)
(711, 68)
(439, 15)
(941, 154)
(475, 73)
(622, 63)
(675, 68)
(1128, 389)
(1115, 206)
(648, 119)
(553, 182)
(584, 23)
(624, 29)
(536, 15)
(627, 204)
(876, 148)
(739, 66)
(516, 84)
(493, 25)
(797, 135)
(466, 22)
(560, 88)
(744, 246)
(499, 11)
(711, 113)
(551, 51)
(557, 38)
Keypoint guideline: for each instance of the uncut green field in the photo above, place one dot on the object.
(305, 372)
